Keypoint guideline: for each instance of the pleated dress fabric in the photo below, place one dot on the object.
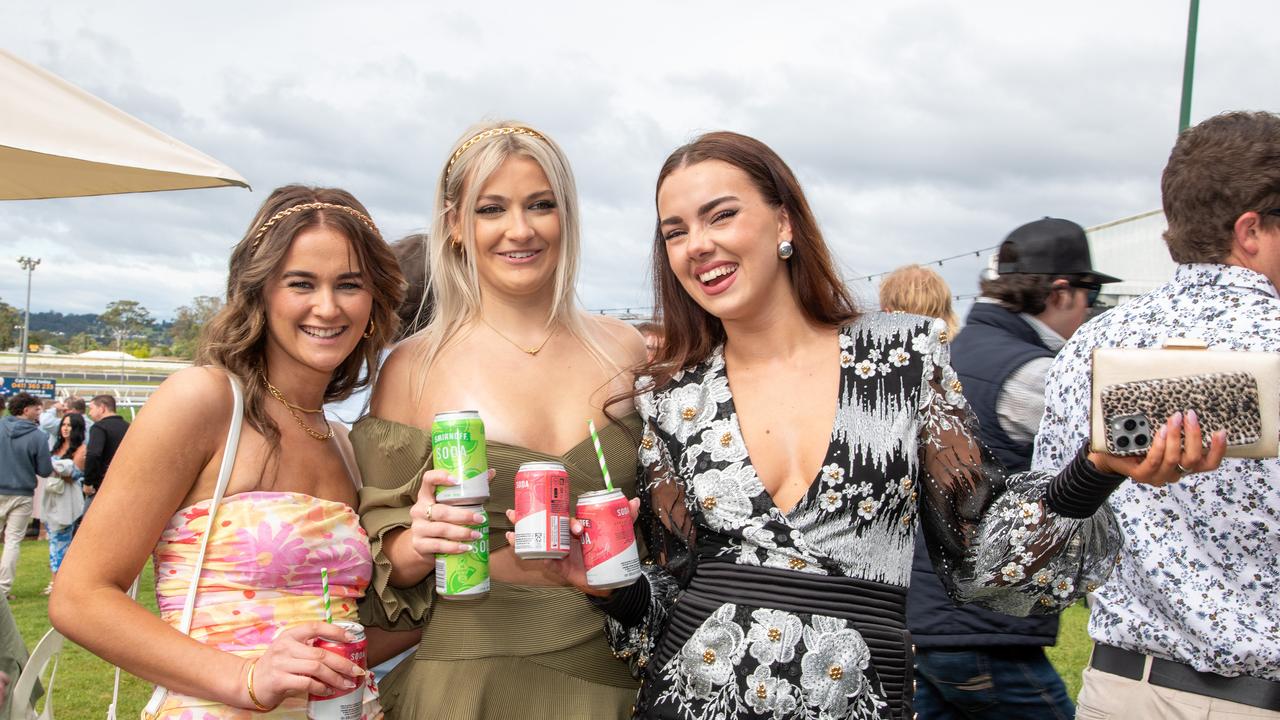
(522, 651)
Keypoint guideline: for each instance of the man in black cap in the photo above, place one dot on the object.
(971, 662)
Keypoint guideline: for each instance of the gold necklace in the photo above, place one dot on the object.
(275, 393)
(523, 349)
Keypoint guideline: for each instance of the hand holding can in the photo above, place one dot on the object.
(571, 569)
(440, 529)
(289, 666)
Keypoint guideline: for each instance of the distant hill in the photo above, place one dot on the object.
(68, 325)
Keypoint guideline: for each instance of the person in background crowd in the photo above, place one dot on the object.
(104, 439)
(790, 444)
(652, 333)
(52, 416)
(972, 662)
(506, 338)
(63, 499)
(1188, 626)
(312, 292)
(920, 291)
(24, 457)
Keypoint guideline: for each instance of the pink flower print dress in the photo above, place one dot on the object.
(261, 574)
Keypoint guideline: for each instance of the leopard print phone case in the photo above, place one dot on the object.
(1134, 411)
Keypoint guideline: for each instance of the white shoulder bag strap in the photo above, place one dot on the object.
(189, 608)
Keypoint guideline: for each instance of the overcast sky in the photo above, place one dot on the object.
(919, 129)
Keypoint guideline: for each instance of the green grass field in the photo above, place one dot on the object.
(82, 688)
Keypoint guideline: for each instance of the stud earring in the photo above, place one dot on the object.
(786, 250)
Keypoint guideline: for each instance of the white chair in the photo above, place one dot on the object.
(21, 707)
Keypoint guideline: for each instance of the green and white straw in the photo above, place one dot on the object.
(324, 589)
(595, 439)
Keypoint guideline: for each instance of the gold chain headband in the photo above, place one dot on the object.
(492, 132)
(257, 238)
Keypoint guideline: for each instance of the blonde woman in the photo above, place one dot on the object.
(311, 300)
(508, 339)
(920, 291)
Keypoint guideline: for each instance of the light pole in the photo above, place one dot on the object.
(28, 264)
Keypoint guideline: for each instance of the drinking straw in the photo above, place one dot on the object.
(595, 439)
(324, 588)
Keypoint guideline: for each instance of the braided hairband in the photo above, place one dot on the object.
(257, 238)
(492, 132)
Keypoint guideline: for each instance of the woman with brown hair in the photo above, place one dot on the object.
(789, 444)
(242, 517)
(506, 338)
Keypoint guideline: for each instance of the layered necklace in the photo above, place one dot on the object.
(295, 409)
(531, 352)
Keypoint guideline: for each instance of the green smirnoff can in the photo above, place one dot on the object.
(457, 445)
(465, 576)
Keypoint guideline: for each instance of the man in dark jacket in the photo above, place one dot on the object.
(971, 662)
(104, 439)
(24, 455)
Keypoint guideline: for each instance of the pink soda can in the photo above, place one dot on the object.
(608, 539)
(542, 511)
(349, 704)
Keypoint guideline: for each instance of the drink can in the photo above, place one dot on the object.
(466, 576)
(457, 445)
(345, 704)
(542, 511)
(608, 539)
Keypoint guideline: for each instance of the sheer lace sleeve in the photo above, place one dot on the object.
(991, 535)
(637, 614)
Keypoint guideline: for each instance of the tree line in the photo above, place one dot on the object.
(124, 325)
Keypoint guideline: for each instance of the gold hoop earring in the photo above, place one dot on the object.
(369, 333)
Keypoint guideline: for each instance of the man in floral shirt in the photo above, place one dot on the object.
(1188, 625)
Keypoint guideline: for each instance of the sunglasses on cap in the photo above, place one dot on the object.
(1092, 289)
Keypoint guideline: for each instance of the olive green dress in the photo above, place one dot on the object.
(521, 652)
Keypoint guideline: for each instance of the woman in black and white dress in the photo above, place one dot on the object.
(790, 443)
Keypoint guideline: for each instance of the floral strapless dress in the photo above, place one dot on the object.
(261, 574)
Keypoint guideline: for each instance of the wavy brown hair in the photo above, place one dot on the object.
(235, 339)
(690, 333)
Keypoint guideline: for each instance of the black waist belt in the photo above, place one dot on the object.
(876, 610)
(1244, 689)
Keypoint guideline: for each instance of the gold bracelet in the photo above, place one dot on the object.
(253, 665)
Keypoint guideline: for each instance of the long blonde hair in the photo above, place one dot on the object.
(453, 281)
(918, 290)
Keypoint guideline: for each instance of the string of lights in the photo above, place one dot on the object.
(938, 262)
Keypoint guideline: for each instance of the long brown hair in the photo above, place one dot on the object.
(235, 339)
(690, 333)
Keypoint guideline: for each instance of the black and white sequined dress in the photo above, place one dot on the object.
(752, 612)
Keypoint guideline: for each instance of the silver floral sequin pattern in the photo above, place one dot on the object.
(1198, 580)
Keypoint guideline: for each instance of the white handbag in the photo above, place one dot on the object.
(189, 608)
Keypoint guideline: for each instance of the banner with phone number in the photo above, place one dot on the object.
(44, 388)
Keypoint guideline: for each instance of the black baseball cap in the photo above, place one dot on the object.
(1051, 246)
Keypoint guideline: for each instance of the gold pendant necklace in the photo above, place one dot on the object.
(275, 393)
(528, 351)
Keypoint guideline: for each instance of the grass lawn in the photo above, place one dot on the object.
(1071, 653)
(83, 686)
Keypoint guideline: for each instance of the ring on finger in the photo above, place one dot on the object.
(430, 508)
(1182, 470)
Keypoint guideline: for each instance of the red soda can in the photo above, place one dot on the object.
(542, 511)
(346, 705)
(608, 539)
